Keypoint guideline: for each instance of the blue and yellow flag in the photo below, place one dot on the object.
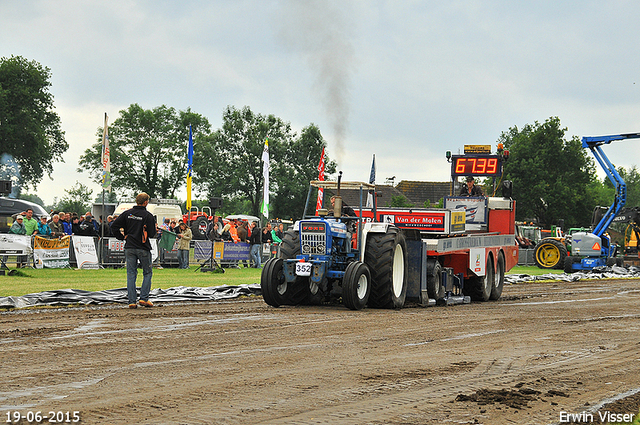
(189, 171)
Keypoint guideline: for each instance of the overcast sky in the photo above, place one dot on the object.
(404, 80)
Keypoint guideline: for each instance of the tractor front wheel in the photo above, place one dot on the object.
(356, 286)
(568, 263)
(272, 283)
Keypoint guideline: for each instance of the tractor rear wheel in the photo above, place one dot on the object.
(498, 279)
(479, 287)
(386, 256)
(199, 227)
(356, 286)
(550, 254)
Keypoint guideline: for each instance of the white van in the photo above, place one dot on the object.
(160, 208)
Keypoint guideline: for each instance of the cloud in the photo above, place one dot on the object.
(406, 80)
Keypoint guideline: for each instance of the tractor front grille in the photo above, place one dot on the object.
(313, 238)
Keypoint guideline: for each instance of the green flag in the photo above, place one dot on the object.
(167, 240)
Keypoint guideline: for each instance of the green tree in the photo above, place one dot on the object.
(77, 199)
(400, 201)
(29, 128)
(32, 198)
(110, 197)
(631, 178)
(553, 178)
(228, 162)
(148, 150)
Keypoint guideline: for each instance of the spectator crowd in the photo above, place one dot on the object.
(60, 224)
(237, 230)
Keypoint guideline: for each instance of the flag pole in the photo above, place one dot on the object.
(106, 182)
(189, 171)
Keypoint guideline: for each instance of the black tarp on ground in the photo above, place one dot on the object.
(76, 296)
(64, 297)
(613, 272)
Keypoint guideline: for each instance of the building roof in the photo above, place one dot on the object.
(351, 197)
(416, 193)
(419, 192)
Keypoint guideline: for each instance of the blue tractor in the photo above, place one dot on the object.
(323, 258)
(594, 249)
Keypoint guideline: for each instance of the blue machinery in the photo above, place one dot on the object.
(591, 250)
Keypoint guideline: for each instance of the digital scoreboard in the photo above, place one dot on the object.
(476, 165)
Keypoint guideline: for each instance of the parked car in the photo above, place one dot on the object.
(10, 207)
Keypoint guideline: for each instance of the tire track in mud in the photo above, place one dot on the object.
(503, 371)
(498, 373)
(88, 334)
(368, 405)
(327, 365)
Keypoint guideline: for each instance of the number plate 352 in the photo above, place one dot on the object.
(303, 269)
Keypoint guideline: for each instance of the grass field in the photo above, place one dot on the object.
(29, 281)
(533, 270)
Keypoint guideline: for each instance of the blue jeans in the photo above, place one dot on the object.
(256, 255)
(132, 256)
(183, 258)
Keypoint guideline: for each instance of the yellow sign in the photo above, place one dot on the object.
(58, 243)
(458, 221)
(458, 217)
(218, 250)
(477, 148)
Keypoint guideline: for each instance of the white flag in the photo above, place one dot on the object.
(265, 174)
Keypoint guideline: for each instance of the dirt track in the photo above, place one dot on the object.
(543, 349)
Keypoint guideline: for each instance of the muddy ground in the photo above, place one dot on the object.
(543, 351)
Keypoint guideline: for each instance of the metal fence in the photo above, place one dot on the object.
(526, 257)
(110, 253)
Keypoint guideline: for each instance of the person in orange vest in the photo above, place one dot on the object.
(233, 230)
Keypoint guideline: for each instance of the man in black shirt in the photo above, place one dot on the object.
(470, 189)
(139, 225)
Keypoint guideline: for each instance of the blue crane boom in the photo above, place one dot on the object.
(594, 144)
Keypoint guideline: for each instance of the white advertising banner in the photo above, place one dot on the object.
(474, 207)
(154, 250)
(85, 250)
(51, 253)
(11, 244)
